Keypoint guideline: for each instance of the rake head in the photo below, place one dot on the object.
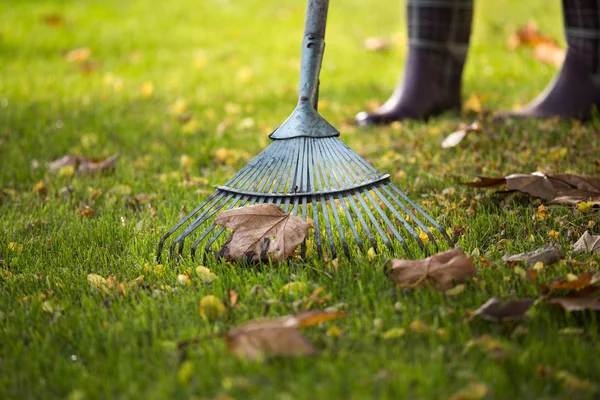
(310, 172)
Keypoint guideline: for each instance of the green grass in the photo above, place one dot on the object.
(235, 65)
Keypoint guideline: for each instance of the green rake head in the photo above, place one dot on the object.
(308, 171)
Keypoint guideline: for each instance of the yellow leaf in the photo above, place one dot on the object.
(456, 290)
(419, 327)
(473, 104)
(553, 234)
(15, 247)
(475, 391)
(147, 89)
(186, 161)
(538, 266)
(178, 108)
(97, 281)
(585, 206)
(393, 333)
(205, 274)
(67, 171)
(184, 280)
(334, 331)
(185, 372)
(211, 307)
(294, 288)
(40, 188)
(371, 254)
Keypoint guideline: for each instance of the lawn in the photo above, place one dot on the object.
(186, 93)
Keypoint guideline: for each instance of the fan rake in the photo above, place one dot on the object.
(308, 171)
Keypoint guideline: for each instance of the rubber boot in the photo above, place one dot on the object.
(439, 33)
(575, 91)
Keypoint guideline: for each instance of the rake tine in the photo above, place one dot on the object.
(350, 199)
(328, 181)
(423, 213)
(411, 215)
(212, 226)
(407, 226)
(320, 183)
(208, 213)
(181, 222)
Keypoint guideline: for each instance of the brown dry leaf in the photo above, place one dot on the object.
(255, 226)
(586, 299)
(545, 48)
(276, 337)
(497, 311)
(583, 281)
(557, 188)
(376, 44)
(83, 165)
(441, 270)
(548, 255)
(587, 243)
(456, 137)
(54, 20)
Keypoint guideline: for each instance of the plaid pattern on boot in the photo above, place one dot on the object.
(442, 29)
(440, 25)
(582, 30)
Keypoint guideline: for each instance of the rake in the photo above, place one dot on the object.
(309, 172)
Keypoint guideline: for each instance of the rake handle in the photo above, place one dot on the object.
(313, 47)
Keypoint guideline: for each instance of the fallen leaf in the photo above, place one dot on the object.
(581, 282)
(475, 391)
(255, 226)
(376, 44)
(440, 270)
(573, 382)
(473, 104)
(586, 299)
(393, 333)
(548, 255)
(488, 344)
(587, 243)
(211, 307)
(497, 311)
(54, 20)
(206, 275)
(549, 53)
(294, 288)
(78, 55)
(184, 280)
(557, 188)
(83, 165)
(545, 49)
(276, 337)
(456, 137)
(233, 297)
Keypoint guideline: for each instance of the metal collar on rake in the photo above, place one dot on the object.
(308, 171)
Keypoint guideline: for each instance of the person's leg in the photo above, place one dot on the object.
(438, 33)
(575, 91)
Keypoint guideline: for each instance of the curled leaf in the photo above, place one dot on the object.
(83, 165)
(587, 243)
(441, 270)
(548, 255)
(276, 337)
(497, 311)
